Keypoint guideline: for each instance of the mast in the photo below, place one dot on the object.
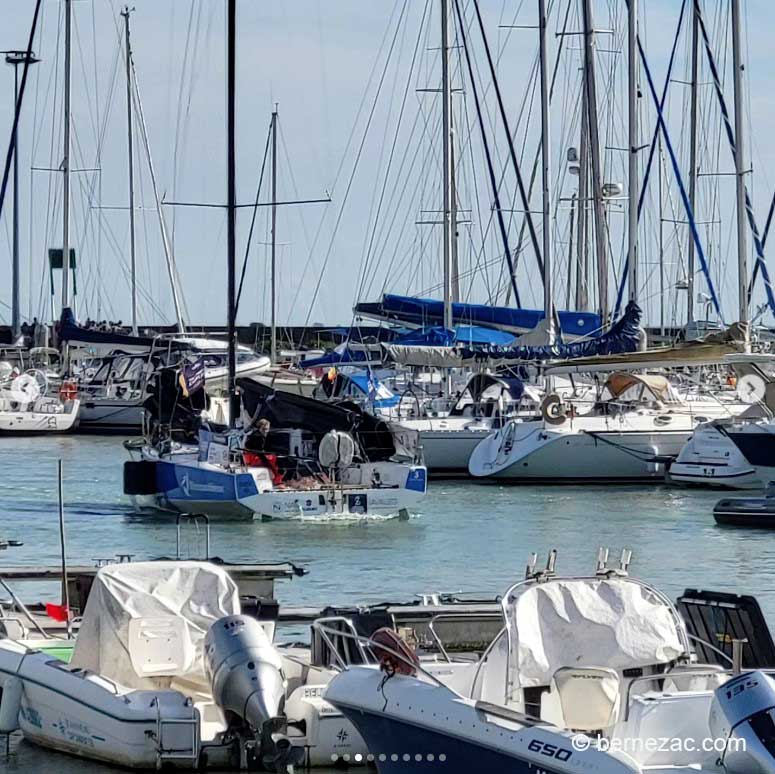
(693, 93)
(632, 135)
(742, 241)
(159, 211)
(273, 351)
(448, 219)
(66, 163)
(231, 199)
(545, 178)
(132, 262)
(582, 245)
(594, 140)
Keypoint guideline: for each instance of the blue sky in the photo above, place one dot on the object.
(316, 59)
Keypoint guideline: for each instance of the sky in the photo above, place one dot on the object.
(321, 63)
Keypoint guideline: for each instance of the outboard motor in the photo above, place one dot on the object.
(743, 713)
(245, 672)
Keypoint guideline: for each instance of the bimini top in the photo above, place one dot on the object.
(145, 622)
(612, 622)
(622, 382)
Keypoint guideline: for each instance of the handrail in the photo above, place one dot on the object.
(24, 609)
(368, 642)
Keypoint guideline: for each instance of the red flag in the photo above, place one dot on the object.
(57, 612)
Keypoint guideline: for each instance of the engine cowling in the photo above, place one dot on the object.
(743, 712)
(245, 671)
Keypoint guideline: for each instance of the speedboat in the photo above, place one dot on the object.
(637, 426)
(169, 671)
(594, 674)
(294, 458)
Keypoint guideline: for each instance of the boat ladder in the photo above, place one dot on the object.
(168, 740)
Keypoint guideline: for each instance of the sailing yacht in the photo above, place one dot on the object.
(637, 426)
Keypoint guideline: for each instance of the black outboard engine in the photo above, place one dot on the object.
(245, 672)
(743, 713)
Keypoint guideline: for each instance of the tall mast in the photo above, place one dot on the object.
(132, 260)
(632, 137)
(448, 220)
(231, 199)
(545, 177)
(594, 140)
(159, 210)
(582, 243)
(742, 241)
(273, 350)
(66, 163)
(693, 93)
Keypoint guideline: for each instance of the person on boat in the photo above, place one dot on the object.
(255, 451)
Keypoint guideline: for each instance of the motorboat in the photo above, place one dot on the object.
(292, 458)
(586, 673)
(638, 425)
(168, 671)
(730, 454)
(757, 512)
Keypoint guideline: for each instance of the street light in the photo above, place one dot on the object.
(16, 58)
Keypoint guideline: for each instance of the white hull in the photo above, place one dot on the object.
(39, 422)
(535, 452)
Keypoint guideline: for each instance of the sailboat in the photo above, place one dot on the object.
(342, 461)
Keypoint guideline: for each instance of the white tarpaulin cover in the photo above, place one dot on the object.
(145, 622)
(615, 623)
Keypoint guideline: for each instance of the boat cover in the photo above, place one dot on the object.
(164, 596)
(615, 623)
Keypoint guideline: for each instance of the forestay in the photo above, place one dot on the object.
(615, 623)
(145, 622)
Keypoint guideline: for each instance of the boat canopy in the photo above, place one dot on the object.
(615, 623)
(359, 385)
(426, 312)
(285, 410)
(621, 382)
(145, 622)
(483, 385)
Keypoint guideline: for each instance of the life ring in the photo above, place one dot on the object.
(68, 391)
(553, 409)
(394, 655)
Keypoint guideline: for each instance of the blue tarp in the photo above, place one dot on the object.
(430, 312)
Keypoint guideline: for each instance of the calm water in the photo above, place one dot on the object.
(469, 537)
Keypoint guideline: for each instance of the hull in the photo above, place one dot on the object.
(757, 512)
(111, 416)
(571, 457)
(412, 726)
(447, 453)
(38, 423)
(203, 488)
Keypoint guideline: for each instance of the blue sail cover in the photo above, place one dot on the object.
(623, 336)
(427, 312)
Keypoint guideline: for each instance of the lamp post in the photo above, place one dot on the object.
(16, 58)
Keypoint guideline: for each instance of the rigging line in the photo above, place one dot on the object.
(357, 159)
(514, 162)
(393, 146)
(652, 150)
(679, 179)
(488, 157)
(252, 222)
(18, 106)
(760, 264)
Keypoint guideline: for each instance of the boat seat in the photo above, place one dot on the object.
(588, 697)
(694, 677)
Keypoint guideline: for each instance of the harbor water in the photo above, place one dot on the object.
(469, 537)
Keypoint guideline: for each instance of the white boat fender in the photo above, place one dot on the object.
(336, 449)
(553, 409)
(744, 708)
(10, 704)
